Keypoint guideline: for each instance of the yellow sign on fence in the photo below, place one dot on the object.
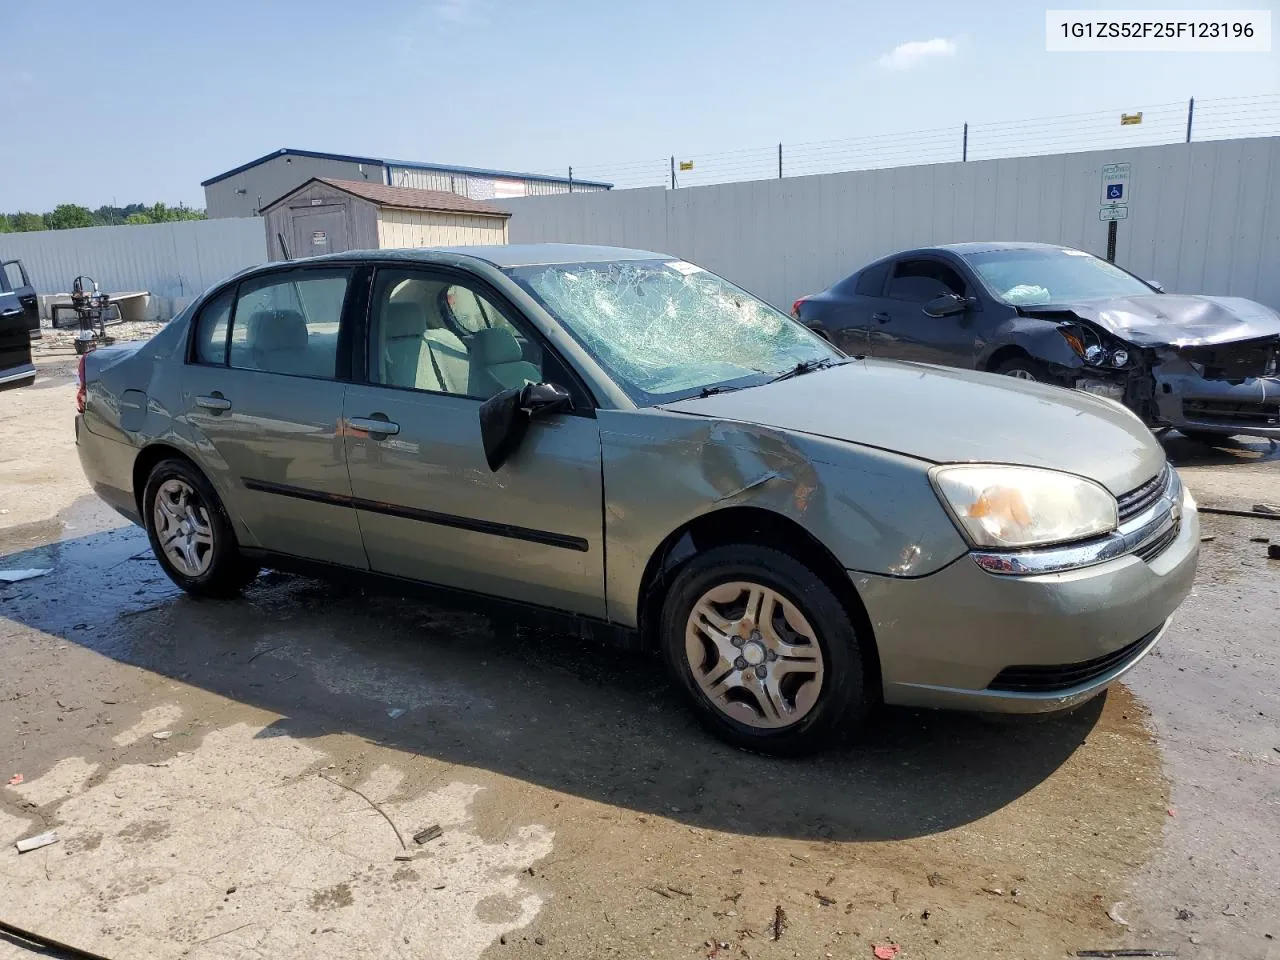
(1128, 119)
(686, 164)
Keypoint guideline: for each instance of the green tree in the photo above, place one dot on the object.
(134, 219)
(67, 216)
(27, 222)
(6, 225)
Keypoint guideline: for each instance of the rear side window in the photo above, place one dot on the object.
(288, 323)
(211, 329)
(919, 281)
(871, 281)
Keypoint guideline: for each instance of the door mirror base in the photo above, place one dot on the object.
(947, 305)
(505, 417)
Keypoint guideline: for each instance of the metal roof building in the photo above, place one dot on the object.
(246, 189)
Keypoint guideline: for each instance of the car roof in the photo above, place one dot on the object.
(504, 255)
(978, 246)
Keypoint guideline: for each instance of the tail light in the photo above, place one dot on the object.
(80, 386)
(795, 307)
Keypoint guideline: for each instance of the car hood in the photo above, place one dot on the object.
(1172, 319)
(944, 415)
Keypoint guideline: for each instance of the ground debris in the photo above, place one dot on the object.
(885, 951)
(683, 893)
(17, 576)
(995, 891)
(1269, 508)
(1273, 551)
(162, 735)
(1182, 913)
(16, 779)
(1127, 952)
(935, 879)
(823, 898)
(659, 891)
(36, 842)
(779, 922)
(429, 834)
(1208, 538)
(381, 812)
(1116, 916)
(1259, 539)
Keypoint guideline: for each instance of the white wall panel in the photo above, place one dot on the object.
(1204, 217)
(166, 259)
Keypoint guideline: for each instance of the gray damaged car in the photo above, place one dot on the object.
(1203, 365)
(635, 448)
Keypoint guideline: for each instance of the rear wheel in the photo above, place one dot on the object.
(763, 649)
(190, 533)
(1024, 368)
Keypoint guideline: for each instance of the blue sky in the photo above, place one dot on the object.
(178, 93)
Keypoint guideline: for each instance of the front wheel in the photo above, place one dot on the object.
(190, 533)
(763, 649)
(1024, 368)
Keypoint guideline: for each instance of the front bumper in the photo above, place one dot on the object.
(949, 639)
(1187, 400)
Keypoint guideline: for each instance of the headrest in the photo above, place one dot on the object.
(495, 345)
(403, 320)
(277, 330)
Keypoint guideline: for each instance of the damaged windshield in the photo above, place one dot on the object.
(1033, 277)
(666, 329)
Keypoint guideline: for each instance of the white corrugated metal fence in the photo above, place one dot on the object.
(1203, 217)
(175, 261)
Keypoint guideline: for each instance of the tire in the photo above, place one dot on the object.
(1024, 368)
(1207, 437)
(825, 695)
(211, 565)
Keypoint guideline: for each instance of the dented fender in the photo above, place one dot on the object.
(875, 511)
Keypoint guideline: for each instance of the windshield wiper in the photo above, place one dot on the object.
(712, 391)
(807, 366)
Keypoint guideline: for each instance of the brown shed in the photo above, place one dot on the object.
(332, 216)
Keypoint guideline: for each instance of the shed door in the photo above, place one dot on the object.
(318, 230)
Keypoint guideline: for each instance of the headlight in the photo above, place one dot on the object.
(1012, 507)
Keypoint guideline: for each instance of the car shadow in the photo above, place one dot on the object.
(556, 711)
(1185, 452)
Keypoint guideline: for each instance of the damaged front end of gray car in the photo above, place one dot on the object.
(1202, 384)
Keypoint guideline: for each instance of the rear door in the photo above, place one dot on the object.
(429, 506)
(19, 284)
(262, 393)
(905, 332)
(15, 338)
(845, 314)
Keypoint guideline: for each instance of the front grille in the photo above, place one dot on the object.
(1153, 548)
(1246, 414)
(1136, 501)
(1052, 678)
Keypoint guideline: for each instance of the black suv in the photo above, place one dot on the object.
(19, 323)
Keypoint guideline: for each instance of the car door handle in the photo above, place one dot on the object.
(216, 403)
(372, 425)
(881, 317)
(10, 313)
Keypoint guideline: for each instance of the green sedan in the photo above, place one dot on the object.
(632, 446)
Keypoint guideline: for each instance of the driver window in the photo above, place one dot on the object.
(919, 281)
(435, 334)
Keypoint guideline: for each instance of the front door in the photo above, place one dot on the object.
(262, 394)
(903, 330)
(430, 508)
(15, 340)
(20, 285)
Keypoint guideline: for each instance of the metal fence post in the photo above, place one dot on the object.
(964, 150)
(571, 179)
(1191, 112)
(673, 171)
(779, 161)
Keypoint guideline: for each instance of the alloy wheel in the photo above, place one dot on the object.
(182, 528)
(754, 655)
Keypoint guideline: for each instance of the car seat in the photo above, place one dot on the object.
(279, 340)
(403, 325)
(498, 364)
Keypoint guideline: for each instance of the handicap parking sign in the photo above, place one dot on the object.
(1115, 191)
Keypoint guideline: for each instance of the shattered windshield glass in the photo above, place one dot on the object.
(1033, 277)
(665, 329)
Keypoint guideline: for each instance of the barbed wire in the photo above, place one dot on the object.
(1250, 115)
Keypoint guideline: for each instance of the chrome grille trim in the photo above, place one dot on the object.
(1145, 534)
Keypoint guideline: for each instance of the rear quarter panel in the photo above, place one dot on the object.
(875, 511)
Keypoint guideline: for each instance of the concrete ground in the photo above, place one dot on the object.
(243, 779)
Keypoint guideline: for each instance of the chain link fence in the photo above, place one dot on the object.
(1215, 119)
